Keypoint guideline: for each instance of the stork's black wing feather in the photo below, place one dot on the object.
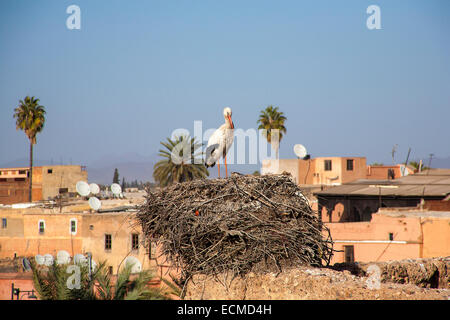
(209, 150)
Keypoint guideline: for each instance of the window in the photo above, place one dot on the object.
(3, 179)
(41, 226)
(110, 270)
(63, 190)
(19, 179)
(391, 174)
(4, 223)
(327, 164)
(22, 171)
(135, 241)
(349, 252)
(391, 236)
(349, 164)
(73, 226)
(108, 242)
(50, 171)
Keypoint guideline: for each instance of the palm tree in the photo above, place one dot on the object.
(30, 117)
(51, 284)
(272, 122)
(178, 164)
(126, 288)
(416, 166)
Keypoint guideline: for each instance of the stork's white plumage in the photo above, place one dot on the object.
(220, 142)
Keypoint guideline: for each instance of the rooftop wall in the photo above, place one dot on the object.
(412, 237)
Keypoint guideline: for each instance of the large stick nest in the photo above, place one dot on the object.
(239, 224)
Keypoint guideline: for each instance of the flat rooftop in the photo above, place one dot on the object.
(434, 182)
(392, 212)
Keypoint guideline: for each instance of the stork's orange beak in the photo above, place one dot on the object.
(231, 122)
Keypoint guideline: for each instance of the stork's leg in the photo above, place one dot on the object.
(226, 170)
(218, 167)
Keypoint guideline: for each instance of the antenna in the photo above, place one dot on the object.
(39, 259)
(134, 263)
(95, 189)
(95, 203)
(300, 151)
(62, 257)
(394, 149)
(83, 188)
(116, 189)
(26, 264)
(406, 162)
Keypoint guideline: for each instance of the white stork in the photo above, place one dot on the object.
(219, 142)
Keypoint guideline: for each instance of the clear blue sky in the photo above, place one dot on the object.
(139, 69)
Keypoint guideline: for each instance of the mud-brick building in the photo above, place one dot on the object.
(48, 182)
(110, 236)
(392, 234)
(356, 201)
(332, 171)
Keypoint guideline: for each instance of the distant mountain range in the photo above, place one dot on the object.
(134, 166)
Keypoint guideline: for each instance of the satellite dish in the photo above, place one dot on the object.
(116, 189)
(26, 264)
(95, 203)
(95, 189)
(80, 259)
(62, 257)
(135, 264)
(83, 188)
(48, 259)
(300, 151)
(39, 259)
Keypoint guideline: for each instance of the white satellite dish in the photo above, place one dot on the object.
(95, 189)
(80, 259)
(300, 151)
(116, 189)
(62, 257)
(26, 264)
(48, 259)
(83, 188)
(135, 263)
(95, 203)
(39, 259)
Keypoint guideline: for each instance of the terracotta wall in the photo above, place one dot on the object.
(12, 191)
(313, 171)
(283, 165)
(22, 237)
(63, 176)
(45, 184)
(413, 237)
(120, 226)
(21, 281)
(436, 233)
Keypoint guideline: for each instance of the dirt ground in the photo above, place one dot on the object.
(420, 279)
